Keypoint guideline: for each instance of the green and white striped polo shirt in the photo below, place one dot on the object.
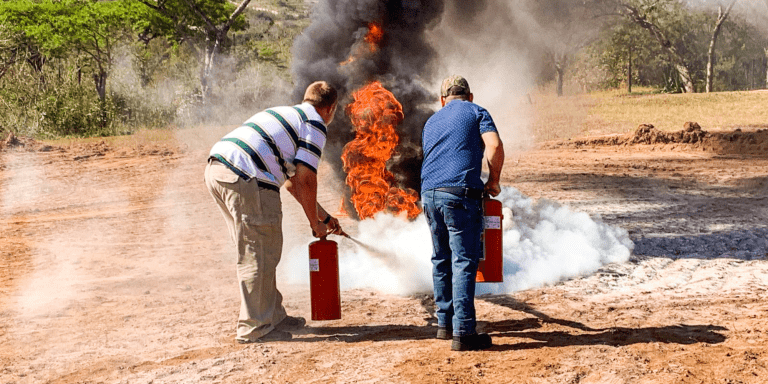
(269, 145)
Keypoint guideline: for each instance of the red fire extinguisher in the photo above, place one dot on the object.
(324, 280)
(491, 266)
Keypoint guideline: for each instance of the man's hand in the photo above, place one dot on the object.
(319, 229)
(334, 227)
(492, 189)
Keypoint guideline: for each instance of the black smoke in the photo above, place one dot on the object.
(404, 63)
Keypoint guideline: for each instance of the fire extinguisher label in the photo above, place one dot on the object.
(492, 222)
(314, 265)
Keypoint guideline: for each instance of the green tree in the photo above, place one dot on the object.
(690, 36)
(197, 22)
(14, 48)
(665, 21)
(89, 29)
(627, 53)
(740, 62)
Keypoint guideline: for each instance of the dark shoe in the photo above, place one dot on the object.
(291, 323)
(474, 342)
(274, 335)
(444, 333)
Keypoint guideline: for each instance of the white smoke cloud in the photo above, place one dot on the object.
(544, 242)
(497, 65)
(48, 289)
(393, 256)
(60, 257)
(390, 254)
(53, 285)
(22, 188)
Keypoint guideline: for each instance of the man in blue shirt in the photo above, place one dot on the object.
(457, 140)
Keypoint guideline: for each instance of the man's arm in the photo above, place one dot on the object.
(303, 186)
(494, 157)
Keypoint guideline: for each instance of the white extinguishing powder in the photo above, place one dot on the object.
(544, 242)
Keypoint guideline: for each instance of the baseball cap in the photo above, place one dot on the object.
(453, 81)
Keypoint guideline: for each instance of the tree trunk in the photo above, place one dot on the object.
(560, 63)
(710, 61)
(766, 67)
(206, 70)
(721, 16)
(629, 69)
(685, 78)
(36, 60)
(211, 51)
(100, 80)
(212, 47)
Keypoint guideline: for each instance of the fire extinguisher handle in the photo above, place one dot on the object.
(314, 234)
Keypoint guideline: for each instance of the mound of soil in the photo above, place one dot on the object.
(692, 137)
(25, 143)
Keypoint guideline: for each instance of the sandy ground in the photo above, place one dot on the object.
(115, 267)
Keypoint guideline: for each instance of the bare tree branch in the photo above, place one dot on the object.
(677, 59)
(208, 22)
(721, 17)
(240, 10)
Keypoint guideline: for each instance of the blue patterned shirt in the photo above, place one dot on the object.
(453, 148)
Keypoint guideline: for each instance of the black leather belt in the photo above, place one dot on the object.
(471, 193)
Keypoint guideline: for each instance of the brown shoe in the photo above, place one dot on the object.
(474, 342)
(444, 333)
(291, 323)
(274, 335)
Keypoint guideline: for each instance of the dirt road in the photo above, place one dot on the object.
(115, 267)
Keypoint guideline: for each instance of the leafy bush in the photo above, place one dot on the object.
(75, 111)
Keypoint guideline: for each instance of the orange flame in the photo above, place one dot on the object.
(375, 113)
(342, 212)
(374, 37)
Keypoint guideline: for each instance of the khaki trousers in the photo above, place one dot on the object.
(254, 218)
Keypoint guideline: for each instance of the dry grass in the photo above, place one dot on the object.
(559, 118)
(601, 113)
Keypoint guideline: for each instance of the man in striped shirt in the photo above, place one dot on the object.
(246, 168)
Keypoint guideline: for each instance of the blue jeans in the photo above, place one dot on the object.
(456, 226)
